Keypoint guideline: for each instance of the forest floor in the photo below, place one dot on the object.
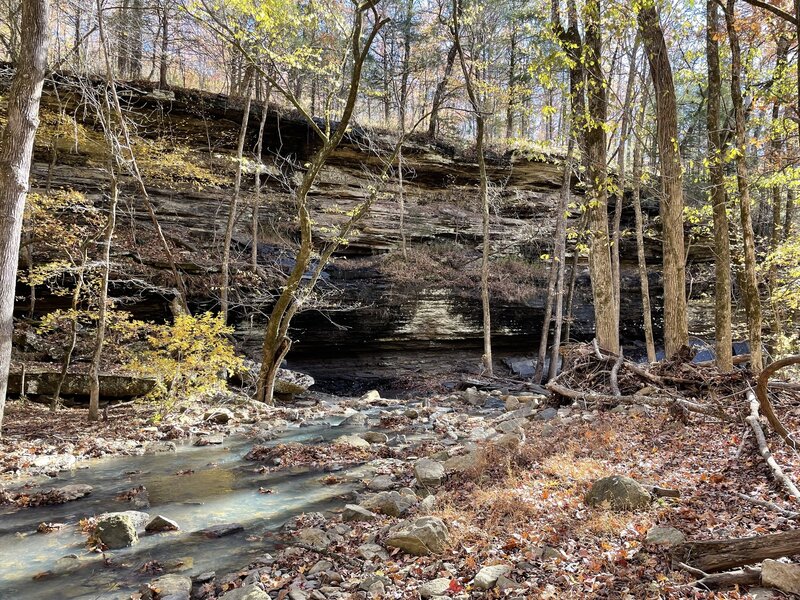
(510, 496)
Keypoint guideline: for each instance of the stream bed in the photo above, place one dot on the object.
(219, 487)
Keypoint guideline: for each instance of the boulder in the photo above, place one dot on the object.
(546, 414)
(43, 382)
(137, 517)
(463, 463)
(487, 577)
(168, 587)
(381, 483)
(247, 592)
(421, 536)
(375, 437)
(214, 439)
(355, 420)
(314, 537)
(353, 512)
(429, 473)
(159, 524)
(473, 397)
(353, 441)
(780, 575)
(666, 537)
(435, 587)
(394, 504)
(372, 552)
(116, 530)
(621, 493)
(290, 383)
(218, 415)
(68, 493)
(371, 396)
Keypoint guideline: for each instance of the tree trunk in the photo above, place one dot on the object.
(406, 72)
(73, 328)
(102, 301)
(559, 262)
(257, 183)
(718, 555)
(162, 70)
(600, 271)
(752, 302)
(16, 147)
(234, 203)
(722, 246)
(788, 215)
(647, 315)
(480, 133)
(439, 94)
(676, 323)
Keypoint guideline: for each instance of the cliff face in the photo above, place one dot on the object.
(379, 318)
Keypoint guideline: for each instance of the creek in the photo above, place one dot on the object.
(218, 487)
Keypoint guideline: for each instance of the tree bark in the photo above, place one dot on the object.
(718, 555)
(722, 246)
(644, 282)
(752, 301)
(676, 324)
(257, 183)
(234, 203)
(600, 271)
(16, 147)
(439, 94)
(480, 133)
(163, 65)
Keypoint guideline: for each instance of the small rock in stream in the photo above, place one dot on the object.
(159, 524)
(168, 587)
(218, 531)
(116, 531)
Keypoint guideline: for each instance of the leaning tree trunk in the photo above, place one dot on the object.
(676, 323)
(440, 93)
(752, 302)
(16, 147)
(722, 246)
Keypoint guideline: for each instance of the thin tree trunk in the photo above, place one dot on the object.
(559, 261)
(257, 182)
(676, 323)
(752, 302)
(483, 190)
(73, 329)
(102, 301)
(647, 315)
(624, 131)
(234, 203)
(722, 246)
(16, 148)
(788, 215)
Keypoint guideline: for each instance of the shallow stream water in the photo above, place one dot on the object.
(223, 488)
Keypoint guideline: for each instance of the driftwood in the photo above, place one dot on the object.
(763, 397)
(720, 555)
(662, 401)
(763, 449)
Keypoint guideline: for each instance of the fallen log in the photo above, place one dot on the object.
(763, 398)
(763, 449)
(720, 555)
(662, 401)
(745, 576)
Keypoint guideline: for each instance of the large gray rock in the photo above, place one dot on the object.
(68, 493)
(248, 592)
(429, 473)
(43, 382)
(463, 463)
(422, 536)
(780, 575)
(116, 530)
(394, 504)
(314, 537)
(290, 383)
(168, 587)
(621, 493)
(355, 420)
(375, 437)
